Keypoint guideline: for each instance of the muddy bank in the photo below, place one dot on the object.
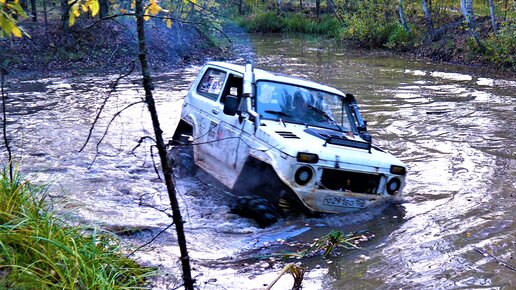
(110, 46)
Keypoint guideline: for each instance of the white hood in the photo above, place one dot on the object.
(293, 138)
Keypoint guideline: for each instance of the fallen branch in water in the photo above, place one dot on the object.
(485, 254)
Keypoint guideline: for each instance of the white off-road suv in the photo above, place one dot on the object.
(278, 137)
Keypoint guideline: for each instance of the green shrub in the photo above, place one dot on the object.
(264, 22)
(501, 49)
(368, 32)
(328, 25)
(398, 37)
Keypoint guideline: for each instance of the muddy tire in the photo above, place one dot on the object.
(259, 209)
(182, 161)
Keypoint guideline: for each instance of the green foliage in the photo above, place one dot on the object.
(371, 33)
(290, 22)
(38, 250)
(501, 49)
(399, 38)
(9, 13)
(267, 21)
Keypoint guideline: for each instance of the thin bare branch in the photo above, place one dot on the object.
(154, 162)
(485, 254)
(106, 99)
(140, 143)
(3, 72)
(151, 240)
(116, 115)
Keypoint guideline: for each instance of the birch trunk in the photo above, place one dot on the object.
(493, 16)
(466, 7)
(428, 18)
(402, 18)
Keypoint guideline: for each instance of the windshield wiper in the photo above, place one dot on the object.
(279, 113)
(326, 116)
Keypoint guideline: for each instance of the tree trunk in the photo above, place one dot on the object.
(335, 11)
(33, 10)
(329, 7)
(301, 5)
(65, 9)
(103, 9)
(402, 18)
(165, 164)
(493, 16)
(240, 11)
(466, 7)
(3, 72)
(318, 9)
(45, 16)
(428, 18)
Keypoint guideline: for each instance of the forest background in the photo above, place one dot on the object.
(38, 35)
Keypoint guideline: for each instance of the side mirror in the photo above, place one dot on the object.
(231, 105)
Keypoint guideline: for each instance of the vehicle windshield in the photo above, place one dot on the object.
(302, 105)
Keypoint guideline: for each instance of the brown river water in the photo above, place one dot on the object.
(454, 127)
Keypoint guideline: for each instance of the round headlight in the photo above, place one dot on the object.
(393, 185)
(303, 175)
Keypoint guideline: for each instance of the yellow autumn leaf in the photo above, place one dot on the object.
(146, 16)
(84, 8)
(16, 31)
(6, 25)
(71, 20)
(94, 7)
(2, 1)
(169, 23)
(154, 8)
(76, 13)
(123, 11)
(133, 4)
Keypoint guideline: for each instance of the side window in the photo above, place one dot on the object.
(212, 83)
(233, 87)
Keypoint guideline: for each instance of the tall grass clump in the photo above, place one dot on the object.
(263, 21)
(39, 250)
(270, 21)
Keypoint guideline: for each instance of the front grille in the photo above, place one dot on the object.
(349, 181)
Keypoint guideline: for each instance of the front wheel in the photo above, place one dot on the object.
(261, 210)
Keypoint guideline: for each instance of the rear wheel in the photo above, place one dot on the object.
(181, 154)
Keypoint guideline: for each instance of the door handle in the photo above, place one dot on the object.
(215, 111)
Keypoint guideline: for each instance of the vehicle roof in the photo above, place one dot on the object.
(276, 77)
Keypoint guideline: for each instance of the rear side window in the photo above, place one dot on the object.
(212, 83)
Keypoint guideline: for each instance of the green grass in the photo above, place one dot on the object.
(39, 250)
(271, 21)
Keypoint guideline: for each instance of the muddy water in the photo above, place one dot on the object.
(454, 128)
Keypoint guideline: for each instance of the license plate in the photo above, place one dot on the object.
(334, 200)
